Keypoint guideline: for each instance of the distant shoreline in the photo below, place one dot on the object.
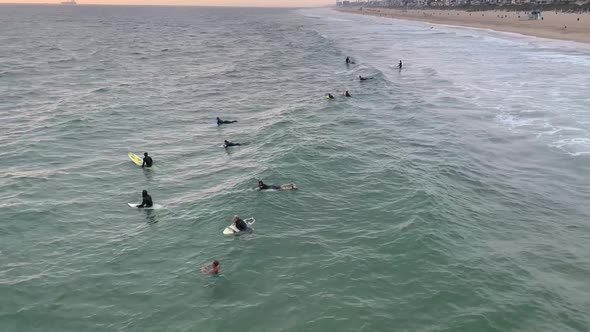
(562, 26)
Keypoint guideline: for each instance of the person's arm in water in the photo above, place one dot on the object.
(144, 163)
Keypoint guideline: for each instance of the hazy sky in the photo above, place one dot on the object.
(274, 3)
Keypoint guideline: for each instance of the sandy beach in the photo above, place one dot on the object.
(565, 26)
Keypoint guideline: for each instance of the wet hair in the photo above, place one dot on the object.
(145, 154)
(215, 262)
(144, 192)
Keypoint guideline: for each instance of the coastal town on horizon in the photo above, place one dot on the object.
(460, 3)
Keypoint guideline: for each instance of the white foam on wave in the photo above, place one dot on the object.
(575, 146)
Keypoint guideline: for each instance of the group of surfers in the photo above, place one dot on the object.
(361, 78)
(237, 222)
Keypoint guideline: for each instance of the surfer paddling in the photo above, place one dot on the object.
(227, 144)
(288, 186)
(220, 122)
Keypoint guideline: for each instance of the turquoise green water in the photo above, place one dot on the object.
(450, 196)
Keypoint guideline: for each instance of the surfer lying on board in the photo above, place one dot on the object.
(364, 78)
(147, 160)
(288, 186)
(220, 122)
(213, 269)
(263, 186)
(329, 96)
(227, 143)
(239, 223)
(146, 200)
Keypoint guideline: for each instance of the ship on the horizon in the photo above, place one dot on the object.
(70, 2)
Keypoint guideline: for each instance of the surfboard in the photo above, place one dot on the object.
(135, 158)
(233, 230)
(289, 186)
(154, 207)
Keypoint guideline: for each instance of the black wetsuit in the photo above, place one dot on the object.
(241, 225)
(147, 202)
(220, 122)
(347, 94)
(347, 60)
(266, 186)
(231, 144)
(147, 161)
(363, 78)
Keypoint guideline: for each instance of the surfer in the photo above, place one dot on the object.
(400, 64)
(227, 143)
(329, 96)
(363, 78)
(347, 60)
(213, 269)
(146, 200)
(239, 223)
(346, 94)
(288, 186)
(263, 186)
(147, 160)
(220, 122)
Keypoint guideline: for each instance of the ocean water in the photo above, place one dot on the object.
(449, 196)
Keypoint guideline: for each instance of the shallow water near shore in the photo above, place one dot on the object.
(449, 196)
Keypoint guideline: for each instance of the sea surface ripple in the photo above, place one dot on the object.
(449, 196)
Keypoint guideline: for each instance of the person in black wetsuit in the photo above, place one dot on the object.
(362, 78)
(347, 60)
(147, 160)
(220, 122)
(262, 186)
(240, 224)
(346, 94)
(227, 143)
(146, 200)
(329, 96)
(400, 64)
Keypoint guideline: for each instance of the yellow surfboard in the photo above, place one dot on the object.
(135, 158)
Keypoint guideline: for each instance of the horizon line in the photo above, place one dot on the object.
(157, 5)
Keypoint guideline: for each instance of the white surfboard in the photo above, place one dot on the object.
(289, 186)
(153, 207)
(233, 230)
